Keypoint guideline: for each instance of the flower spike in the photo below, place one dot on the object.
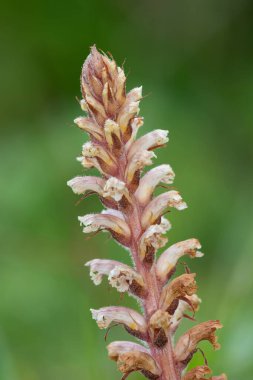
(135, 217)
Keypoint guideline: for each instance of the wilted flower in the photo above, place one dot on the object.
(132, 357)
(187, 343)
(177, 289)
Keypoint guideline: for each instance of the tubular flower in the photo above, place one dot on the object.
(150, 180)
(135, 217)
(133, 321)
(120, 276)
(167, 261)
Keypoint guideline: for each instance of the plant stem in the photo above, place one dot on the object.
(164, 356)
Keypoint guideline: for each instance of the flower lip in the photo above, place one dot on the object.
(116, 348)
(120, 276)
(105, 221)
(81, 184)
(95, 222)
(132, 320)
(115, 189)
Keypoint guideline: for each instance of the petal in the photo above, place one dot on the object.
(150, 180)
(135, 124)
(154, 210)
(188, 342)
(112, 132)
(130, 108)
(124, 279)
(149, 141)
(120, 86)
(100, 268)
(83, 105)
(91, 150)
(168, 260)
(132, 320)
(89, 126)
(80, 184)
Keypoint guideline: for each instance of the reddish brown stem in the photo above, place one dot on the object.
(164, 356)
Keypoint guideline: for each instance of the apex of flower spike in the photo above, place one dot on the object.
(102, 85)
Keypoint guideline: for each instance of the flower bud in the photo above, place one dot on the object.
(135, 124)
(134, 322)
(154, 210)
(124, 278)
(112, 134)
(104, 158)
(178, 288)
(187, 343)
(150, 180)
(130, 109)
(168, 260)
(89, 126)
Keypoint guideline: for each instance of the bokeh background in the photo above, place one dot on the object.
(195, 62)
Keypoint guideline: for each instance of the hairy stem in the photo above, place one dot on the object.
(164, 356)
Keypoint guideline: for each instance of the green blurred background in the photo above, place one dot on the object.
(195, 62)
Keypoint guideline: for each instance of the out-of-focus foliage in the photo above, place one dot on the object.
(195, 60)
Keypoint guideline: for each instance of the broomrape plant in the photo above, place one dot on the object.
(135, 219)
